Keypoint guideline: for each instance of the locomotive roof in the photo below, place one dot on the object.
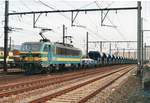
(56, 44)
(65, 46)
(32, 43)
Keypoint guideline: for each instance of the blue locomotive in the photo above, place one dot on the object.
(36, 57)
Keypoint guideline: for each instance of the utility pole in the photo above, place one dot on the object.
(129, 54)
(123, 51)
(144, 52)
(110, 48)
(139, 38)
(134, 55)
(87, 47)
(117, 51)
(101, 47)
(6, 35)
(12, 44)
(142, 43)
(9, 43)
(63, 34)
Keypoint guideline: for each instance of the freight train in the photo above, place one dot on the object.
(45, 56)
(37, 57)
(108, 59)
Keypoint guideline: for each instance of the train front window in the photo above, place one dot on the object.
(46, 48)
(31, 47)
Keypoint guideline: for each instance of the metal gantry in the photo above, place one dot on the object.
(7, 14)
(87, 43)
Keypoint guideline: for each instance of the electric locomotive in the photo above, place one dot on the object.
(45, 56)
(36, 57)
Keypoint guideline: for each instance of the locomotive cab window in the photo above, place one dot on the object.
(31, 47)
(46, 48)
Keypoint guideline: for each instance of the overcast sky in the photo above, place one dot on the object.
(124, 21)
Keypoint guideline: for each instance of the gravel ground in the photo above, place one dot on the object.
(27, 96)
(126, 90)
(142, 92)
(114, 94)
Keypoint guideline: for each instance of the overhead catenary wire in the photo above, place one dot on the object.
(29, 29)
(53, 8)
(28, 23)
(20, 18)
(63, 15)
(86, 14)
(26, 6)
(100, 36)
(96, 34)
(83, 44)
(119, 32)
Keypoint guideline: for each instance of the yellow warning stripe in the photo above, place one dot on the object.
(35, 59)
(68, 59)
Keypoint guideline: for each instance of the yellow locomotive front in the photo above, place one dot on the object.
(30, 57)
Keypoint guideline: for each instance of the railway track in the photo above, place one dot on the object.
(81, 92)
(12, 70)
(13, 89)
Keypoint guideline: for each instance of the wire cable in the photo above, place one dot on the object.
(53, 8)
(96, 34)
(119, 32)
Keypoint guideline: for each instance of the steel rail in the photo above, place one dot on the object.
(83, 100)
(45, 82)
(61, 92)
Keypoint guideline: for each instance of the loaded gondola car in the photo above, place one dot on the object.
(104, 59)
(109, 60)
(95, 55)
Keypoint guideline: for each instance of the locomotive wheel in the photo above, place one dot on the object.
(50, 69)
(77, 66)
(57, 67)
(62, 67)
(44, 71)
